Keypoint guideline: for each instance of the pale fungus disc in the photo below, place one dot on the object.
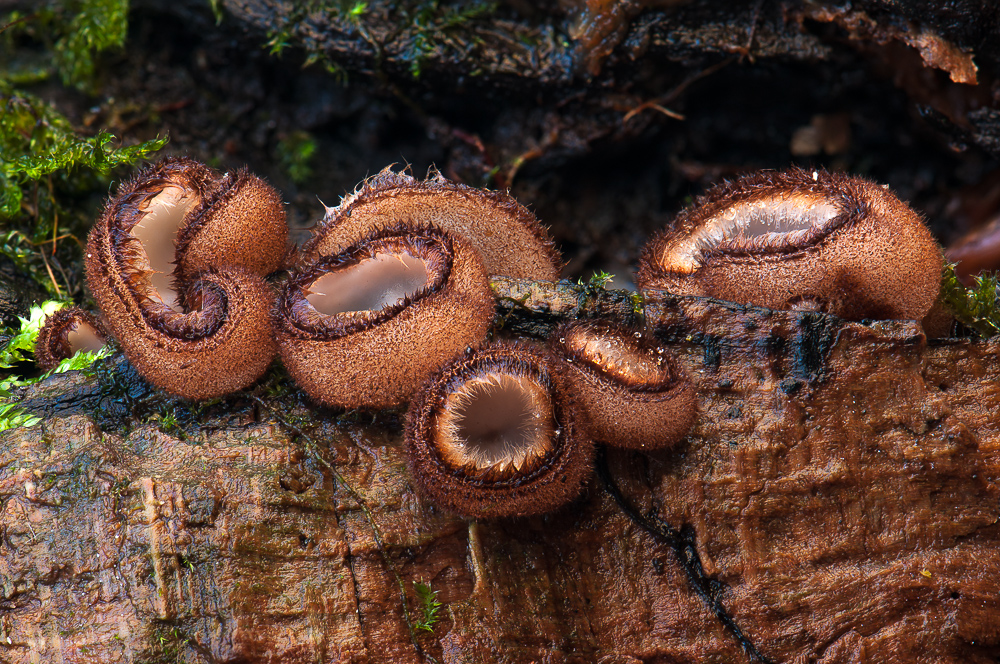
(493, 434)
(617, 356)
(499, 422)
(156, 231)
(385, 279)
(83, 337)
(775, 222)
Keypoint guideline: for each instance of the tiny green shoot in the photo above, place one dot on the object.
(600, 279)
(429, 607)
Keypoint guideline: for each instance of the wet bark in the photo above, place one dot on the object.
(837, 501)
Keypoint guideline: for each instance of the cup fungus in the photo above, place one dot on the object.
(492, 435)
(201, 329)
(65, 333)
(508, 237)
(800, 239)
(630, 390)
(365, 327)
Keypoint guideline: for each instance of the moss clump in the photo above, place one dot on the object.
(295, 153)
(429, 607)
(70, 32)
(977, 307)
(425, 28)
(46, 166)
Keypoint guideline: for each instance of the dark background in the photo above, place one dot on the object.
(558, 102)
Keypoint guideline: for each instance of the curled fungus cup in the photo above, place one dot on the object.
(65, 333)
(506, 235)
(176, 264)
(630, 390)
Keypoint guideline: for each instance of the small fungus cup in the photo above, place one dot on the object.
(800, 239)
(493, 435)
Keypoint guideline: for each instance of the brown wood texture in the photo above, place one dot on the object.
(839, 492)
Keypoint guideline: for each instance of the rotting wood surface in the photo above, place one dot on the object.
(838, 493)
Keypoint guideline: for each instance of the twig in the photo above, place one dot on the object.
(51, 275)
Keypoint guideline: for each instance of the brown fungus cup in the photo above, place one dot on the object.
(64, 334)
(188, 218)
(175, 263)
(507, 236)
(629, 388)
(365, 327)
(800, 239)
(492, 434)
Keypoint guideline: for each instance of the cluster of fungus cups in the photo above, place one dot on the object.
(395, 282)
(800, 239)
(389, 303)
(509, 430)
(392, 304)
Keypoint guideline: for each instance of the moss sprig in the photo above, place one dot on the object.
(429, 607)
(36, 141)
(44, 162)
(427, 28)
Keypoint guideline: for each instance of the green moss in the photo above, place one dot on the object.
(47, 167)
(976, 307)
(74, 32)
(216, 6)
(424, 27)
(37, 142)
(295, 153)
(96, 25)
(601, 279)
(434, 24)
(22, 343)
(168, 644)
(12, 417)
(638, 304)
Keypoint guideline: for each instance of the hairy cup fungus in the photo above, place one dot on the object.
(64, 334)
(492, 435)
(365, 327)
(628, 387)
(800, 239)
(507, 236)
(201, 329)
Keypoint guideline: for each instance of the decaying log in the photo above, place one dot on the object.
(837, 501)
